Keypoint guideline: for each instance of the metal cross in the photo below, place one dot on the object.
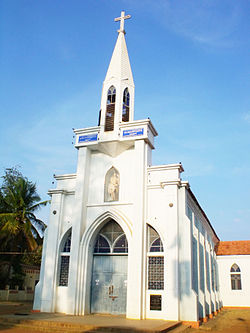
(122, 18)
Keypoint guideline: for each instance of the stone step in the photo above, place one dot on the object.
(69, 327)
(180, 329)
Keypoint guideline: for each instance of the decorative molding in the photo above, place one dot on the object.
(185, 183)
(110, 204)
(140, 123)
(58, 191)
(166, 167)
(66, 176)
(170, 182)
(154, 187)
(88, 130)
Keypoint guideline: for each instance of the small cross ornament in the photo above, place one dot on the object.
(122, 18)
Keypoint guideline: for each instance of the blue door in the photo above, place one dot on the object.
(109, 284)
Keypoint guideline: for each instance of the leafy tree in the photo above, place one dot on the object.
(20, 230)
(33, 258)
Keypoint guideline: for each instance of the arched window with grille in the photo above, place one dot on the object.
(125, 105)
(64, 259)
(155, 267)
(235, 275)
(155, 260)
(110, 109)
(111, 239)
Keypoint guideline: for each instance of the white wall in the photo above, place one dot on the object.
(234, 297)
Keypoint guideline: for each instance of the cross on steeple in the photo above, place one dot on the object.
(122, 18)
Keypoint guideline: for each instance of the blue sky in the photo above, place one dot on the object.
(191, 66)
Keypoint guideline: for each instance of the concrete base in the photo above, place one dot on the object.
(59, 322)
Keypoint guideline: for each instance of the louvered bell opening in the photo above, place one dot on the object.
(110, 115)
(125, 113)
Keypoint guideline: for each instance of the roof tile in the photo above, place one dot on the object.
(232, 248)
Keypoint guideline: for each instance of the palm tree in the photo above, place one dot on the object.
(20, 229)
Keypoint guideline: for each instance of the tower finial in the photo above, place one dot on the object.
(122, 18)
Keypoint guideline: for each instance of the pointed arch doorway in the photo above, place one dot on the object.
(109, 270)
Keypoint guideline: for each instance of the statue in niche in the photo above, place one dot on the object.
(112, 182)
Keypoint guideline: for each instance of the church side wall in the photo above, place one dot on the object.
(204, 265)
(234, 298)
(188, 297)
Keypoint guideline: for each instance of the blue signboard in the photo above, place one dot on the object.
(87, 138)
(133, 132)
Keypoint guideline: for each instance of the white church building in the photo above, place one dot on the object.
(128, 237)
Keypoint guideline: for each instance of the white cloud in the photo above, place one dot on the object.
(241, 170)
(246, 117)
(208, 22)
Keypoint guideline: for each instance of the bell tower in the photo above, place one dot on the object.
(117, 101)
(117, 130)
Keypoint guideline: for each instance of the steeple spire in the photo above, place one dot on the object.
(117, 103)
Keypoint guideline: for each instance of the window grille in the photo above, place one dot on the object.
(111, 239)
(64, 271)
(235, 277)
(155, 273)
(64, 261)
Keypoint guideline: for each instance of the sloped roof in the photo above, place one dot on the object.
(232, 248)
(204, 214)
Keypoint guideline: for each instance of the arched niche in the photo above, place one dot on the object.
(112, 185)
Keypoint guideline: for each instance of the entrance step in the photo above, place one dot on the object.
(180, 329)
(75, 324)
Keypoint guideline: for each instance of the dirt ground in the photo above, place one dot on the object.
(227, 321)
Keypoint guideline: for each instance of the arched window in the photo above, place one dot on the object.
(154, 241)
(121, 245)
(111, 239)
(111, 186)
(64, 259)
(110, 109)
(155, 260)
(125, 105)
(235, 277)
(102, 245)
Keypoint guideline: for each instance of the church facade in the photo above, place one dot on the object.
(126, 237)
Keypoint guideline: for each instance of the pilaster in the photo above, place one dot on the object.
(172, 261)
(78, 223)
(49, 283)
(136, 254)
